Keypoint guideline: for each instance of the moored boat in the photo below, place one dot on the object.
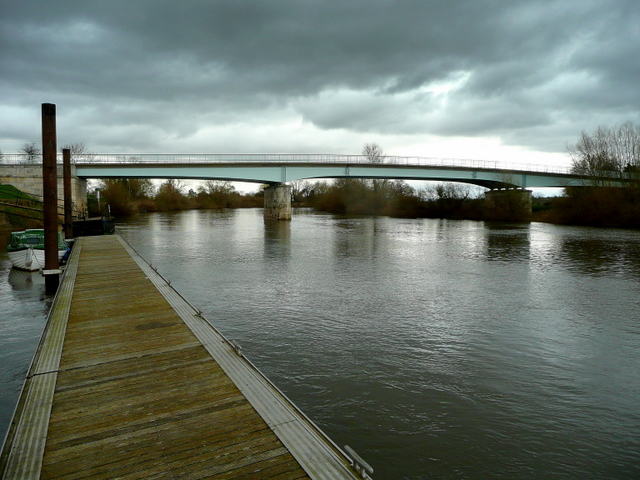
(26, 249)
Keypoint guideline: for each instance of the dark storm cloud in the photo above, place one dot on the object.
(463, 67)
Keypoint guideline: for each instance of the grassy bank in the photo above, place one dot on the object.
(18, 211)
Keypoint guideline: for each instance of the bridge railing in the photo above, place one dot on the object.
(187, 158)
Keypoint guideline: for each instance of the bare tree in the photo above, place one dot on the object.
(169, 195)
(446, 192)
(176, 184)
(607, 152)
(297, 187)
(373, 153)
(215, 187)
(30, 151)
(79, 152)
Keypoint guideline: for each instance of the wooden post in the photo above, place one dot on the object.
(68, 218)
(51, 270)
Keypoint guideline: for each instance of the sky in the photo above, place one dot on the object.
(506, 80)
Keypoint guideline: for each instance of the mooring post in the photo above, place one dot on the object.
(51, 269)
(66, 172)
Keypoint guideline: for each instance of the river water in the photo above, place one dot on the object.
(436, 349)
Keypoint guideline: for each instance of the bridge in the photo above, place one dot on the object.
(508, 197)
(277, 170)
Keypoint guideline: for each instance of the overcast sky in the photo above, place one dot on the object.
(481, 79)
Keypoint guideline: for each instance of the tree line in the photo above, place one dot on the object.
(395, 198)
(127, 196)
(607, 157)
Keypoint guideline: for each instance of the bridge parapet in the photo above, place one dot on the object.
(190, 158)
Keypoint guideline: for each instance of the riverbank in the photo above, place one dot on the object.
(12, 223)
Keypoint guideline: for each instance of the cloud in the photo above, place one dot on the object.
(158, 75)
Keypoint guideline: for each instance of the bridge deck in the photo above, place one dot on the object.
(130, 382)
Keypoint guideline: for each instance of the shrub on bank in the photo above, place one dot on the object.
(130, 196)
(601, 207)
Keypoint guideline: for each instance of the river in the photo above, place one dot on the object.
(436, 349)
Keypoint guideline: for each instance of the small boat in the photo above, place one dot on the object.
(26, 249)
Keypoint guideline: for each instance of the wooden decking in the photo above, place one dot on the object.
(130, 382)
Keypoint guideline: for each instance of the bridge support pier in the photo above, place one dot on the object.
(277, 202)
(512, 205)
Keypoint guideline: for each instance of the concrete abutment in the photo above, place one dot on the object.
(28, 178)
(508, 205)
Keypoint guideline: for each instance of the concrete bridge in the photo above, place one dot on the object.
(504, 180)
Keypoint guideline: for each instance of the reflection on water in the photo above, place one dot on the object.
(23, 280)
(277, 236)
(614, 253)
(510, 243)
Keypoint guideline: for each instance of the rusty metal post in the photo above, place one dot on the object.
(68, 218)
(51, 269)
